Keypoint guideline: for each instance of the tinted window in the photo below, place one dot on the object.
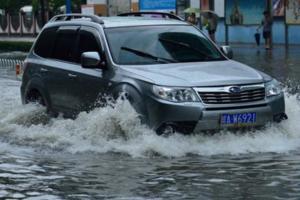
(65, 44)
(87, 42)
(160, 44)
(44, 45)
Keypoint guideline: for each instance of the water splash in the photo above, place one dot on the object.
(118, 129)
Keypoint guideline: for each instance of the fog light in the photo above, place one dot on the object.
(166, 130)
(279, 117)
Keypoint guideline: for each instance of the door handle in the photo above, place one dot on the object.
(44, 70)
(72, 75)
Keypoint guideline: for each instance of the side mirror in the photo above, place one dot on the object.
(227, 51)
(90, 59)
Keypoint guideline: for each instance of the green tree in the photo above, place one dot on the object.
(13, 6)
(35, 5)
(55, 4)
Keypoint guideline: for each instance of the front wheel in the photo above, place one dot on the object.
(35, 97)
(37, 116)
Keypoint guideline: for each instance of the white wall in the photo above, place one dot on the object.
(219, 7)
(195, 3)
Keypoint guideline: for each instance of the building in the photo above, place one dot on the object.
(114, 7)
(230, 28)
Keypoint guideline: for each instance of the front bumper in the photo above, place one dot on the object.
(197, 116)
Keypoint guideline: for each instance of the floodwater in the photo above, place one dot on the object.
(108, 154)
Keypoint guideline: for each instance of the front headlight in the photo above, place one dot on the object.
(175, 94)
(273, 88)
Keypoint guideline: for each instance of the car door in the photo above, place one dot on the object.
(63, 76)
(94, 82)
(39, 65)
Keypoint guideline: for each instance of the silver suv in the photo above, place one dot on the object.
(173, 75)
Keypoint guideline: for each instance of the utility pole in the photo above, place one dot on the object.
(68, 6)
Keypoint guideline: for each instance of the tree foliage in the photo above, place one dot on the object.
(13, 5)
(35, 5)
(55, 4)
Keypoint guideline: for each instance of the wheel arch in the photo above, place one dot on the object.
(35, 86)
(133, 94)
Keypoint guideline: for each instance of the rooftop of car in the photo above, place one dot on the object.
(110, 22)
(116, 21)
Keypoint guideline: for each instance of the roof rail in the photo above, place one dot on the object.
(68, 17)
(153, 14)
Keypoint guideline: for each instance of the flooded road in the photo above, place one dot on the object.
(108, 154)
(280, 63)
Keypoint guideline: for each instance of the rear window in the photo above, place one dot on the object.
(45, 43)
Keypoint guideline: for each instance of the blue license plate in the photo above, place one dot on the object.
(238, 118)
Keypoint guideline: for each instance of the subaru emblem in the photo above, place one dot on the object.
(235, 89)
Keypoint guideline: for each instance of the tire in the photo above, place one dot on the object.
(34, 96)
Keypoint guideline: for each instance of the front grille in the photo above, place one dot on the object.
(228, 98)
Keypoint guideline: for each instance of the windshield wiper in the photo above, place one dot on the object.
(182, 44)
(148, 55)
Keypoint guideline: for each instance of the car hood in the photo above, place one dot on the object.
(196, 74)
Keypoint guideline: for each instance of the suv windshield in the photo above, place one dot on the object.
(160, 44)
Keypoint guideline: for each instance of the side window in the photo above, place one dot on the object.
(87, 42)
(45, 43)
(65, 44)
